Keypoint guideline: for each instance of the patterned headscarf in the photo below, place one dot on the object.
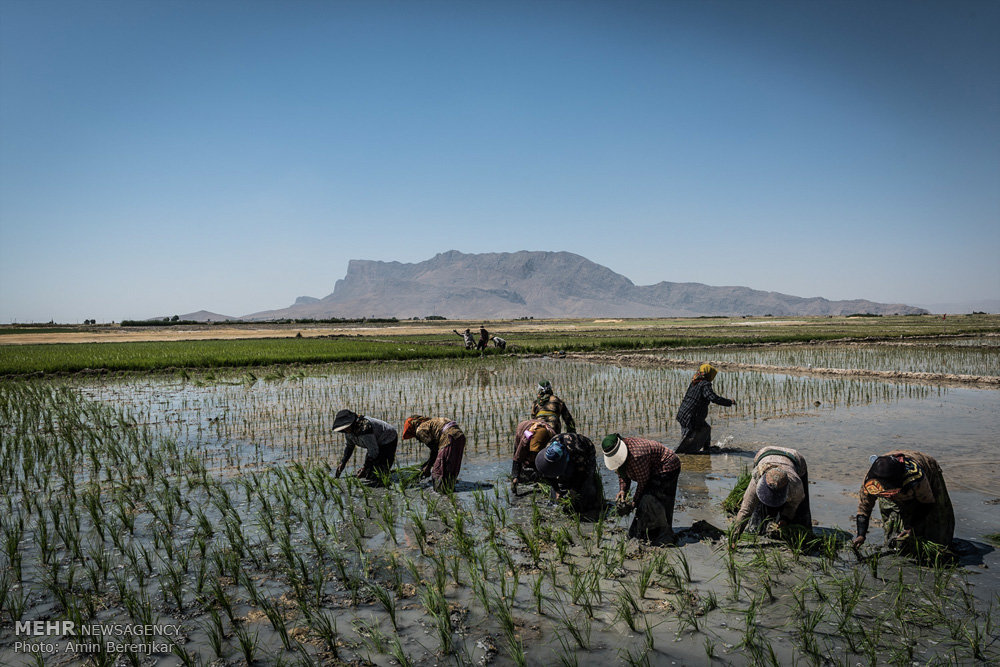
(705, 372)
(411, 424)
(889, 475)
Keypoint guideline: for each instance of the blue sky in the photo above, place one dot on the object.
(161, 157)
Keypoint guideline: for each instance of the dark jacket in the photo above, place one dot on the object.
(694, 407)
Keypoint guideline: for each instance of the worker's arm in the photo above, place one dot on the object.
(747, 507)
(425, 470)
(710, 394)
(568, 420)
(348, 451)
(865, 506)
(623, 486)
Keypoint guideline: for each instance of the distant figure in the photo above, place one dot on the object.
(912, 498)
(499, 343)
(778, 491)
(696, 434)
(569, 465)
(655, 469)
(550, 408)
(378, 438)
(470, 341)
(446, 443)
(484, 338)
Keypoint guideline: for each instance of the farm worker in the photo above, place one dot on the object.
(378, 438)
(911, 496)
(470, 342)
(550, 408)
(778, 490)
(447, 444)
(696, 434)
(499, 343)
(484, 337)
(569, 464)
(655, 469)
(530, 437)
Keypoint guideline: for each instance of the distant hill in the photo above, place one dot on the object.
(206, 316)
(542, 285)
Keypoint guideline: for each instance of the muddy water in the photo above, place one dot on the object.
(836, 423)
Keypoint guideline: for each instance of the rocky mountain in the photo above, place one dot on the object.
(542, 285)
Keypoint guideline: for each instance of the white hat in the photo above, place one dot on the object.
(615, 451)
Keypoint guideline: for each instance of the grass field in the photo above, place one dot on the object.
(436, 341)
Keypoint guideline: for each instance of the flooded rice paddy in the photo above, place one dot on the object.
(959, 356)
(205, 504)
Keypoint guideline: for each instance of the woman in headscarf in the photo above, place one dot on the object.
(912, 498)
(778, 491)
(696, 434)
(375, 436)
(530, 437)
(446, 443)
(550, 408)
(569, 465)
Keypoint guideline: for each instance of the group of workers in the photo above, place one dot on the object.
(484, 339)
(907, 485)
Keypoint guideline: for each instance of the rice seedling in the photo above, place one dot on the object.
(626, 607)
(397, 652)
(437, 609)
(372, 634)
(248, 643)
(386, 599)
(216, 633)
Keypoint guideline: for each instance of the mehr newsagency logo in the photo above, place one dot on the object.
(92, 637)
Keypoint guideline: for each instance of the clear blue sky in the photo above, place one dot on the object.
(159, 157)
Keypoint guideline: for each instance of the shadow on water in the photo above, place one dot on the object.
(463, 486)
(970, 552)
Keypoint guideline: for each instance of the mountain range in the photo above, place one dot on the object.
(458, 285)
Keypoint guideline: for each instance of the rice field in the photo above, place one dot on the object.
(280, 414)
(962, 356)
(204, 504)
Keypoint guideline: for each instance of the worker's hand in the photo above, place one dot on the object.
(513, 486)
(340, 469)
(858, 541)
(733, 405)
(620, 498)
(425, 472)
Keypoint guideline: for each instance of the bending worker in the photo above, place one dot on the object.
(530, 437)
(569, 465)
(470, 341)
(550, 408)
(446, 443)
(378, 438)
(655, 469)
(912, 498)
(696, 434)
(778, 491)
